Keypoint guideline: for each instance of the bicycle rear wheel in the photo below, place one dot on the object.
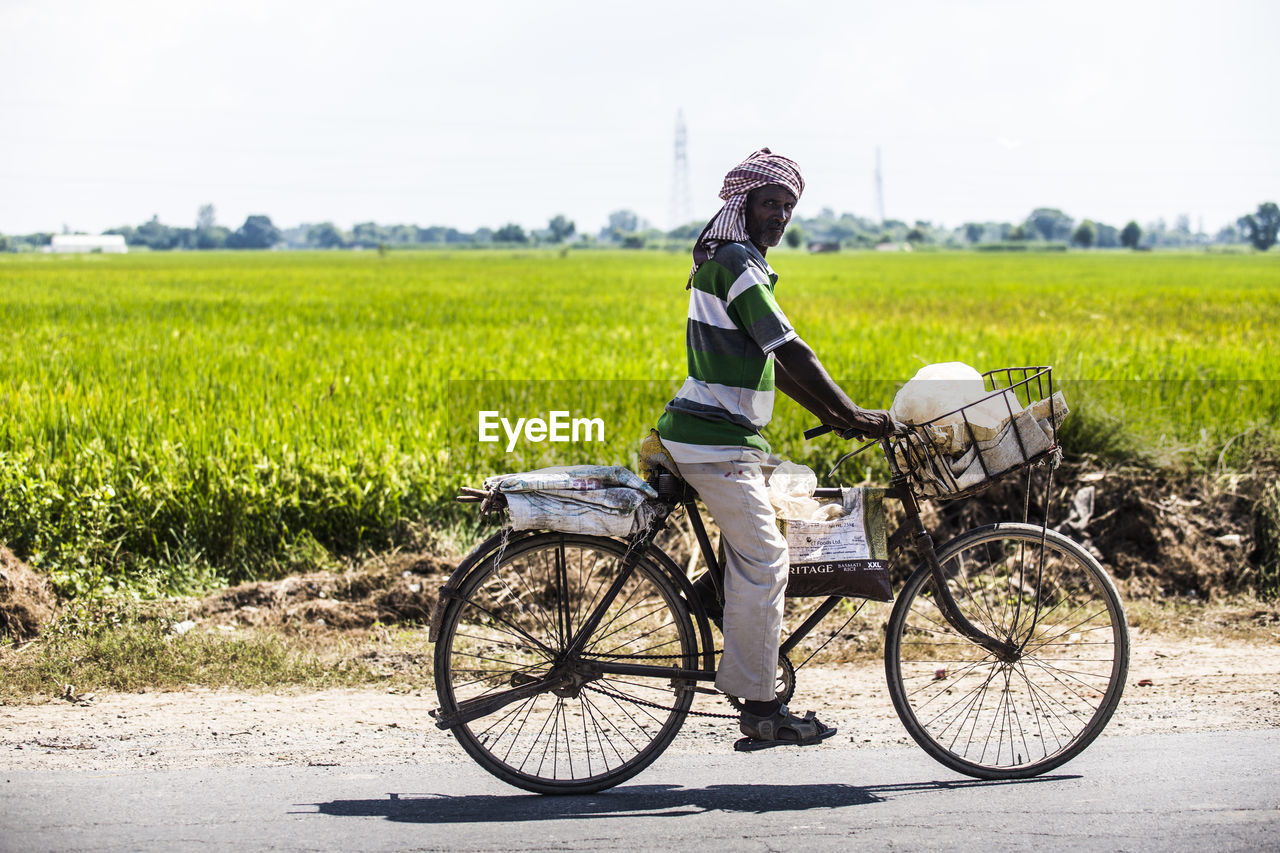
(510, 629)
(1020, 714)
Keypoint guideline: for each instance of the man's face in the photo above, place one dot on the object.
(768, 212)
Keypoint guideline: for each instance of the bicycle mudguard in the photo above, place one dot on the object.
(477, 556)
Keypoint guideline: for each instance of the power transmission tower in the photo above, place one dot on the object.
(680, 209)
(879, 188)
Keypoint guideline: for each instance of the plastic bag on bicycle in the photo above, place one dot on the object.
(598, 500)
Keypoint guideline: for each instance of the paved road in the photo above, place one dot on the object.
(1194, 792)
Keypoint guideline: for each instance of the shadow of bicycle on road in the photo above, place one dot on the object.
(638, 801)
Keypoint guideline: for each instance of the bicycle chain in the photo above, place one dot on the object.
(623, 656)
(655, 705)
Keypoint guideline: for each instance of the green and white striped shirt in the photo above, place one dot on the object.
(733, 328)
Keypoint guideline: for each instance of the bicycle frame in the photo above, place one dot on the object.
(898, 490)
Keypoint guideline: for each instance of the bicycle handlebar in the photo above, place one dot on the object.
(822, 429)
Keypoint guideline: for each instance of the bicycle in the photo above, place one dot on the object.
(567, 663)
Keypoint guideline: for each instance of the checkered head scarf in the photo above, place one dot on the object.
(760, 169)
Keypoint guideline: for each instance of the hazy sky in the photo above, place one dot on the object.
(472, 114)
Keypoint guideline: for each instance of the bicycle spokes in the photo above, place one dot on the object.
(528, 682)
(990, 713)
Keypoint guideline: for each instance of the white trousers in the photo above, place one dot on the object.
(755, 572)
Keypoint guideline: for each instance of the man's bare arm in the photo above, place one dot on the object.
(800, 375)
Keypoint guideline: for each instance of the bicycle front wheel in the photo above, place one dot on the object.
(1035, 706)
(556, 724)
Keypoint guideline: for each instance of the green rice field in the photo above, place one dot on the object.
(174, 421)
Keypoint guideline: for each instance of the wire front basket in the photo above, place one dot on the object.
(965, 450)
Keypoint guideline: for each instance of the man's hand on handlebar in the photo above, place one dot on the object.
(872, 424)
(869, 424)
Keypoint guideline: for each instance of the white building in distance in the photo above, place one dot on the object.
(108, 243)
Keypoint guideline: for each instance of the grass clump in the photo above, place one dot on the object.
(123, 647)
(1241, 618)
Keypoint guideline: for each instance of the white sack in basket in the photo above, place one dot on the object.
(938, 390)
(1022, 438)
(1035, 427)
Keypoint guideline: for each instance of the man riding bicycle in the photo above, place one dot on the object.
(740, 348)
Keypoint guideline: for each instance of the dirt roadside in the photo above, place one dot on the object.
(1173, 686)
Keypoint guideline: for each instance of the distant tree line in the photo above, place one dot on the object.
(369, 235)
(1044, 226)
(258, 232)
